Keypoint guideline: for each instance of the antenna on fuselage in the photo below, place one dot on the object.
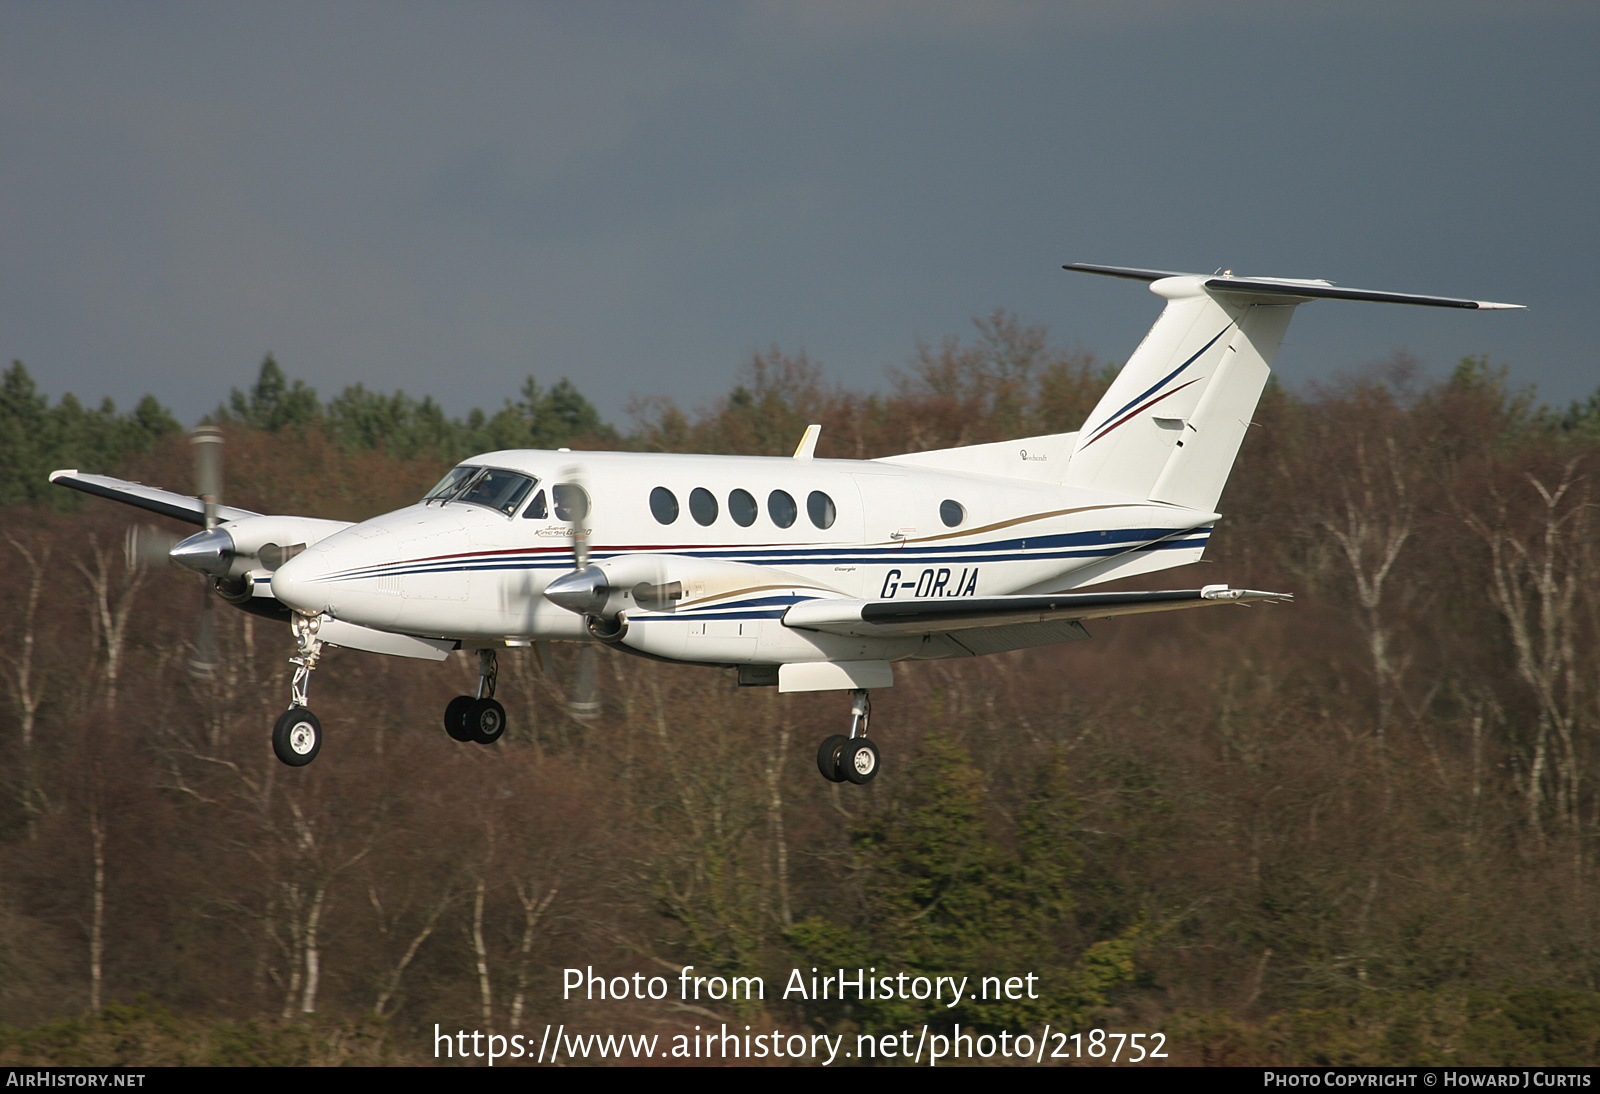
(807, 448)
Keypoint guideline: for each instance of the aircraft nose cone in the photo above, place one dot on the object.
(295, 583)
(584, 592)
(208, 552)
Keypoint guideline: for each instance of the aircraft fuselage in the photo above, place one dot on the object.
(747, 538)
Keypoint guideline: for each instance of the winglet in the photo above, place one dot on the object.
(808, 444)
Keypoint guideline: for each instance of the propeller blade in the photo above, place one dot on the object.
(585, 590)
(585, 702)
(147, 545)
(658, 597)
(203, 662)
(207, 441)
(572, 505)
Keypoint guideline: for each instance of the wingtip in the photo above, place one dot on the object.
(1490, 305)
(54, 475)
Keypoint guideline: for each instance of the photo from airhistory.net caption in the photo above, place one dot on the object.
(739, 1042)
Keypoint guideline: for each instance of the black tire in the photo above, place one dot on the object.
(297, 737)
(455, 718)
(858, 761)
(828, 757)
(486, 721)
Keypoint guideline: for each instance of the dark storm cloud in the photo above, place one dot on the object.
(446, 198)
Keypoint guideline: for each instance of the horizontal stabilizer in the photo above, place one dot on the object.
(1130, 272)
(151, 498)
(869, 618)
(1294, 288)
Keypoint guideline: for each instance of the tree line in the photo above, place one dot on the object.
(1356, 829)
(36, 437)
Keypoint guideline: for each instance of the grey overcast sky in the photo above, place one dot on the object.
(447, 197)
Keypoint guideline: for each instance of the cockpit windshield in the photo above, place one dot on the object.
(453, 481)
(497, 489)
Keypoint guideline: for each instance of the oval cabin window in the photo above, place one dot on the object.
(952, 513)
(781, 508)
(663, 505)
(702, 506)
(819, 507)
(742, 508)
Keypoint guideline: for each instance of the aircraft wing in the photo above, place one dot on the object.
(875, 618)
(178, 506)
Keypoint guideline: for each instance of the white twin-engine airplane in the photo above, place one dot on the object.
(802, 573)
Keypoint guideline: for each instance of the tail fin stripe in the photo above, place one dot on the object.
(1122, 415)
(1135, 411)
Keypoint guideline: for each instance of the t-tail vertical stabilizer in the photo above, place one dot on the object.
(1171, 423)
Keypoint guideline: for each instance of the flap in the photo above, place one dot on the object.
(939, 616)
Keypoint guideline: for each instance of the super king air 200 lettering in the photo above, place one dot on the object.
(805, 574)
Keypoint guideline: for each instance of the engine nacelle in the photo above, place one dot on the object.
(233, 549)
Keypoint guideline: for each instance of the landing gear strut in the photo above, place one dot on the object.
(853, 758)
(478, 717)
(297, 735)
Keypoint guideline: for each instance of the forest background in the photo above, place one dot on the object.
(1360, 828)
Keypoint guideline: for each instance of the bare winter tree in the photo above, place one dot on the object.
(22, 679)
(113, 588)
(1536, 573)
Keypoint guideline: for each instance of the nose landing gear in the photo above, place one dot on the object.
(853, 758)
(478, 717)
(297, 735)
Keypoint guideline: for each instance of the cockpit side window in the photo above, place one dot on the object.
(452, 482)
(497, 489)
(537, 509)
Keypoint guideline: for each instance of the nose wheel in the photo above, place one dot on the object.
(478, 717)
(297, 735)
(853, 758)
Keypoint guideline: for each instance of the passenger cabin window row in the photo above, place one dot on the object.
(503, 491)
(742, 507)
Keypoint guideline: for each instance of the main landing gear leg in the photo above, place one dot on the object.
(478, 717)
(853, 758)
(297, 735)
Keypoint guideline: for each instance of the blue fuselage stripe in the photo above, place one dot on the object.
(1021, 549)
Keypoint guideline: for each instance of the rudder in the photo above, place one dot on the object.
(1171, 423)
